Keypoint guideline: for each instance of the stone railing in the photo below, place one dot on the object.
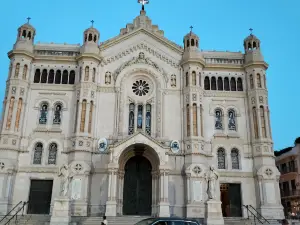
(224, 61)
(56, 53)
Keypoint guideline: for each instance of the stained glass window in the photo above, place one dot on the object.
(43, 114)
(57, 114)
(218, 120)
(235, 159)
(38, 152)
(221, 158)
(231, 120)
(131, 119)
(52, 154)
(140, 117)
(148, 119)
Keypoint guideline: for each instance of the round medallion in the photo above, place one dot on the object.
(102, 144)
(140, 87)
(175, 147)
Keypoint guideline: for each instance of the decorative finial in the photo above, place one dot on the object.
(251, 30)
(143, 2)
(92, 21)
(28, 19)
(191, 27)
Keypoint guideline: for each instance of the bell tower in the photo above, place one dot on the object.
(267, 187)
(15, 100)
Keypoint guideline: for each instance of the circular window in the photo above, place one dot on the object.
(140, 87)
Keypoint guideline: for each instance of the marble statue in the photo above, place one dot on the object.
(67, 176)
(211, 177)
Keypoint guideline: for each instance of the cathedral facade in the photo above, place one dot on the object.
(137, 121)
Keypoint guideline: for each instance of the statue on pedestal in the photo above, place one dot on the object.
(211, 176)
(67, 176)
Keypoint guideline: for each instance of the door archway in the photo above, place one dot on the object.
(137, 192)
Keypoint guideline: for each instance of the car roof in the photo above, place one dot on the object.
(172, 219)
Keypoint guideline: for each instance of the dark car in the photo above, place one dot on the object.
(168, 221)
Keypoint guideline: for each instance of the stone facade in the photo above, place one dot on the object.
(95, 106)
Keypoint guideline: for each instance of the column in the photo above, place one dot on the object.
(154, 193)
(109, 185)
(14, 113)
(111, 204)
(87, 117)
(164, 206)
(191, 118)
(135, 117)
(121, 187)
(50, 116)
(78, 116)
(267, 124)
(166, 186)
(188, 180)
(22, 116)
(144, 118)
(153, 120)
(199, 121)
(258, 122)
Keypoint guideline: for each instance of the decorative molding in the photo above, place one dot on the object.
(139, 47)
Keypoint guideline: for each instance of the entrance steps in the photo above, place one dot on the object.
(122, 220)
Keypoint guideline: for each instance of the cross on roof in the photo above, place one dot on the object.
(191, 27)
(143, 2)
(28, 19)
(251, 30)
(92, 21)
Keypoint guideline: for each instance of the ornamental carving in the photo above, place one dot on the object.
(138, 60)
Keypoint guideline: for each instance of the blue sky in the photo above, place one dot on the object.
(221, 25)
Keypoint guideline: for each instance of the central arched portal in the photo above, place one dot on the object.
(137, 192)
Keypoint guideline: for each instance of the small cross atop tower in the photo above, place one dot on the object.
(191, 27)
(251, 30)
(143, 2)
(92, 21)
(28, 19)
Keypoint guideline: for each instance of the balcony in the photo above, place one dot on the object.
(290, 193)
(286, 170)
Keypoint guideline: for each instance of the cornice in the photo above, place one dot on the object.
(55, 58)
(38, 169)
(89, 56)
(233, 94)
(116, 40)
(255, 64)
(20, 52)
(236, 174)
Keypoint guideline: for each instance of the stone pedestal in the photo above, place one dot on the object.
(111, 208)
(195, 210)
(163, 209)
(214, 213)
(272, 212)
(61, 213)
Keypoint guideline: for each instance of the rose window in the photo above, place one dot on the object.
(140, 87)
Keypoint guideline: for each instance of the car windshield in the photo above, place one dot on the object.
(145, 222)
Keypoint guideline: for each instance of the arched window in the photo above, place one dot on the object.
(24, 34)
(52, 154)
(188, 43)
(18, 115)
(58, 77)
(76, 116)
(95, 38)
(263, 122)
(90, 37)
(80, 74)
(201, 120)
(255, 124)
(195, 120)
(231, 120)
(200, 79)
(265, 81)
(251, 81)
(17, 70)
(194, 81)
(29, 35)
(94, 75)
(72, 77)
(239, 84)
(254, 45)
(235, 161)
(37, 76)
(218, 119)
(220, 84)
(107, 77)
(140, 117)
(38, 152)
(148, 119)
(91, 117)
(65, 77)
(233, 84)
(43, 113)
(131, 119)
(51, 77)
(226, 84)
(206, 83)
(57, 114)
(258, 80)
(83, 113)
(213, 83)
(221, 158)
(87, 73)
(44, 76)
(188, 122)
(24, 75)
(10, 112)
(186, 79)
(192, 42)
